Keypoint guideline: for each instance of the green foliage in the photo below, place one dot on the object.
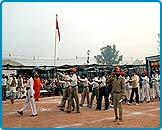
(109, 56)
(138, 62)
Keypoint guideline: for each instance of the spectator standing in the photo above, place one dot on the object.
(12, 82)
(135, 86)
(37, 86)
(20, 86)
(4, 86)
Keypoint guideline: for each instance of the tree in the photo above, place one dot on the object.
(138, 62)
(109, 55)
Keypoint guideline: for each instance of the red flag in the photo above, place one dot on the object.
(57, 27)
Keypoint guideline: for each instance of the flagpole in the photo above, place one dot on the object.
(55, 54)
(55, 48)
(54, 70)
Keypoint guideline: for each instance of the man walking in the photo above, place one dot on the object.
(29, 96)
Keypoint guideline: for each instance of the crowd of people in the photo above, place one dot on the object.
(117, 87)
(17, 85)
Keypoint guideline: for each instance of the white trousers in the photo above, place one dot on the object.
(146, 93)
(32, 104)
(128, 93)
(155, 90)
(19, 95)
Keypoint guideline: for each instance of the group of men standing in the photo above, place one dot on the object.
(99, 89)
(117, 86)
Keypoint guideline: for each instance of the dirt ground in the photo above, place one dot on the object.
(146, 115)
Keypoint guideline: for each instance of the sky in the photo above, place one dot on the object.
(28, 29)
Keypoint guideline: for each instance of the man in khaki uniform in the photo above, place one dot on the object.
(85, 93)
(66, 92)
(118, 92)
(73, 92)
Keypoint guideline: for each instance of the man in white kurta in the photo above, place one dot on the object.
(155, 84)
(29, 98)
(12, 82)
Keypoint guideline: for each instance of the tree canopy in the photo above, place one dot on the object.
(109, 56)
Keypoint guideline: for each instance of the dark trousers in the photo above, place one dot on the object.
(103, 91)
(109, 93)
(134, 90)
(3, 92)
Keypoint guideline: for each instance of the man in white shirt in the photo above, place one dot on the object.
(73, 92)
(29, 96)
(12, 82)
(85, 92)
(66, 93)
(103, 91)
(127, 86)
(94, 89)
(155, 85)
(135, 86)
(146, 87)
(4, 86)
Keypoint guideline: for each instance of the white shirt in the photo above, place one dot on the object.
(4, 82)
(127, 85)
(30, 83)
(85, 81)
(155, 78)
(65, 83)
(145, 81)
(103, 81)
(95, 84)
(74, 80)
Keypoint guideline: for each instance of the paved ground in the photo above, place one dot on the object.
(49, 116)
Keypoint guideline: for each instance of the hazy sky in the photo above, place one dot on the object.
(28, 29)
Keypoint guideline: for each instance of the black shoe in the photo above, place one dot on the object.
(33, 115)
(61, 109)
(68, 111)
(105, 109)
(78, 112)
(73, 109)
(20, 112)
(80, 105)
(59, 106)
